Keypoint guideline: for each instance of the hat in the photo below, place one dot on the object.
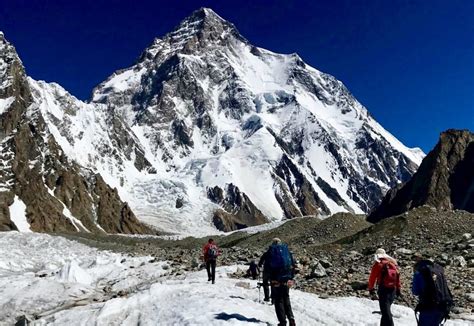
(276, 240)
(417, 255)
(381, 254)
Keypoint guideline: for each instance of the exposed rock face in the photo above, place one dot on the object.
(114, 216)
(445, 179)
(59, 195)
(237, 210)
(295, 185)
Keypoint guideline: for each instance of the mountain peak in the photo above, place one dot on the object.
(203, 27)
(205, 14)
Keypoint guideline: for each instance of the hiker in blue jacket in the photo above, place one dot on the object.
(435, 299)
(281, 269)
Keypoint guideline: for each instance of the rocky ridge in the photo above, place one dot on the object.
(445, 179)
(53, 192)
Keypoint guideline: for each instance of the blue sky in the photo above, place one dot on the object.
(411, 63)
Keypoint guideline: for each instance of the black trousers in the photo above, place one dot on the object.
(211, 270)
(281, 300)
(386, 298)
(266, 286)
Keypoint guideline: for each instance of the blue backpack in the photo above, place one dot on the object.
(280, 262)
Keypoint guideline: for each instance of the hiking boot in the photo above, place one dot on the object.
(292, 322)
(213, 282)
(266, 299)
(209, 279)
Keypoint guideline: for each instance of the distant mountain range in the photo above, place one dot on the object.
(204, 131)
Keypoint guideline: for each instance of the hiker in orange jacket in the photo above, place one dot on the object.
(211, 252)
(385, 275)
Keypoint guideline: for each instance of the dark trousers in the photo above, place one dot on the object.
(211, 270)
(386, 298)
(266, 286)
(430, 318)
(281, 300)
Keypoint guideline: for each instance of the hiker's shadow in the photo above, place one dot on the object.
(226, 317)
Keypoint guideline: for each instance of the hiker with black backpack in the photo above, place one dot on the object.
(435, 298)
(253, 271)
(210, 254)
(281, 266)
(385, 275)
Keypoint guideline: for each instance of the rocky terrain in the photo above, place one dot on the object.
(335, 254)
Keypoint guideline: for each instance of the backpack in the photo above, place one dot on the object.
(436, 293)
(212, 252)
(389, 275)
(280, 262)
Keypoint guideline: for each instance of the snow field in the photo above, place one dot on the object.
(41, 273)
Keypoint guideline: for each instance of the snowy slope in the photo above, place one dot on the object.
(202, 107)
(66, 283)
(41, 273)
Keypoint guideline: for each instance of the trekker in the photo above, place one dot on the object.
(385, 275)
(281, 267)
(435, 298)
(253, 270)
(211, 252)
(265, 275)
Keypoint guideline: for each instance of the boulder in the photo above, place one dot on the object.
(317, 270)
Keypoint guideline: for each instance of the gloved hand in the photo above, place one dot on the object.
(373, 295)
(290, 283)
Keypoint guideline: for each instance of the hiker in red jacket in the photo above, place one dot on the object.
(385, 274)
(210, 253)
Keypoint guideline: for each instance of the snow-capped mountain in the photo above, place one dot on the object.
(206, 130)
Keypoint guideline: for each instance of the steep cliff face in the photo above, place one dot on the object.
(236, 211)
(445, 179)
(41, 188)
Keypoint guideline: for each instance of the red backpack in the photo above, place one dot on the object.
(212, 252)
(389, 275)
